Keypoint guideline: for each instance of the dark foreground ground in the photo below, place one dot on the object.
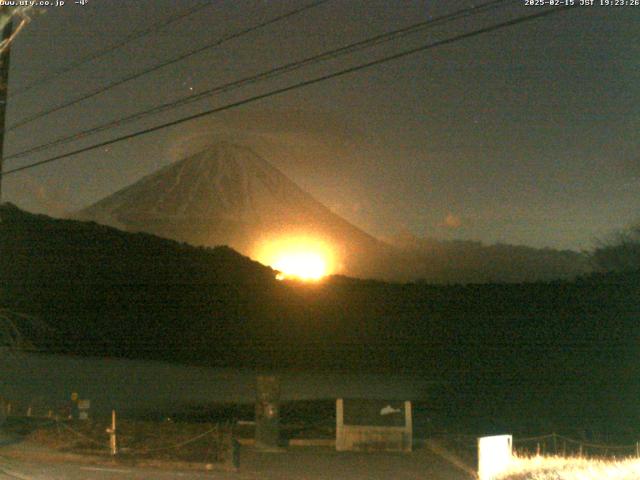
(28, 461)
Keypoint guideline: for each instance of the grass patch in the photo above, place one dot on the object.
(572, 468)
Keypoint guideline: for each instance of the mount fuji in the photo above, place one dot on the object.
(229, 195)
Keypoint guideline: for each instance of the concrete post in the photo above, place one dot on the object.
(267, 413)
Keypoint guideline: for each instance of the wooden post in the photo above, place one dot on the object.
(4, 87)
(340, 424)
(537, 449)
(408, 426)
(113, 445)
(638, 449)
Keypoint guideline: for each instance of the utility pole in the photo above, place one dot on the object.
(4, 87)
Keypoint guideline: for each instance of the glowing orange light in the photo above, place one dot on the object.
(298, 257)
(303, 265)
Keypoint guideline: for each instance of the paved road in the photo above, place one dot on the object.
(12, 470)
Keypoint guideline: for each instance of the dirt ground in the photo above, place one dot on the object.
(25, 460)
(48, 449)
(325, 463)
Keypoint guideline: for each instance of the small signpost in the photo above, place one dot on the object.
(83, 409)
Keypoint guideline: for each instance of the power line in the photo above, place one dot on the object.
(166, 63)
(295, 86)
(275, 72)
(100, 53)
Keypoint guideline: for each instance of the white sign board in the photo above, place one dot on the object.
(494, 456)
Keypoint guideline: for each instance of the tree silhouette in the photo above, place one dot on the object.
(9, 13)
(621, 253)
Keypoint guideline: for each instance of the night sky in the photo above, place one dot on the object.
(527, 135)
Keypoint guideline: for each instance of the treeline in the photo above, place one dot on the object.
(620, 253)
(560, 349)
(465, 261)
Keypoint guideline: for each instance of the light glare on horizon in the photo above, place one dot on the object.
(301, 258)
(302, 265)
